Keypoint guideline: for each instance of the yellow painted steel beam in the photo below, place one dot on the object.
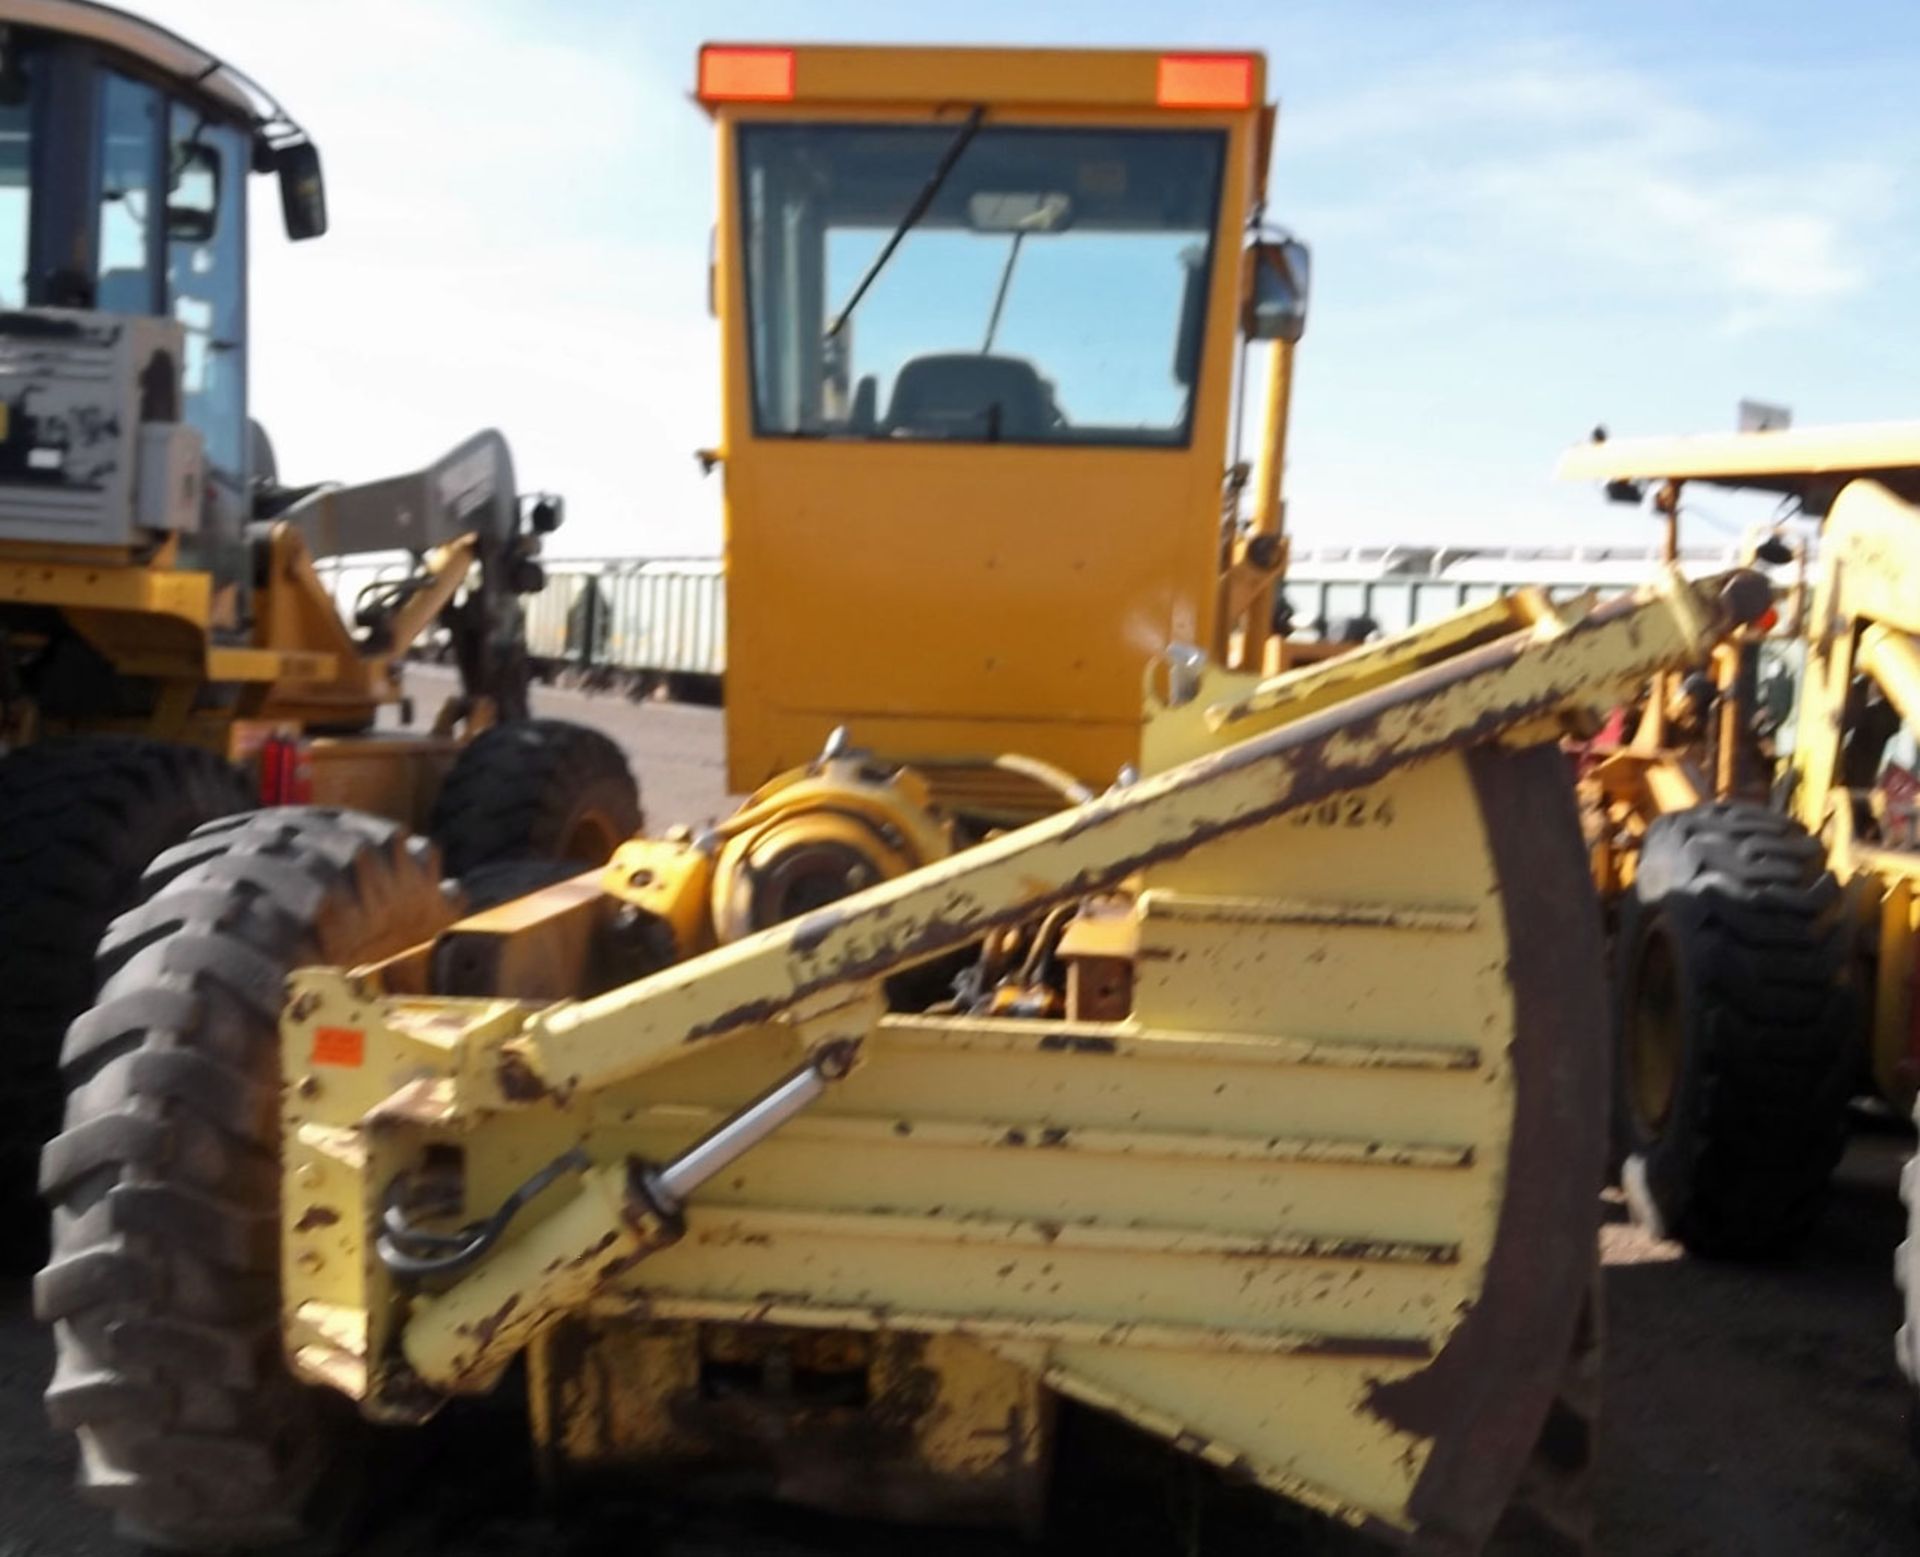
(269, 665)
(1868, 588)
(1476, 696)
(1259, 557)
(1313, 687)
(103, 591)
(1870, 560)
(1892, 659)
(467, 1334)
(1893, 1047)
(447, 568)
(110, 586)
(1784, 461)
(1889, 864)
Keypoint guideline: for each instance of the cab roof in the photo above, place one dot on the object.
(165, 51)
(1810, 463)
(1171, 79)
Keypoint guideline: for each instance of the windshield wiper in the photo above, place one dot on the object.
(918, 209)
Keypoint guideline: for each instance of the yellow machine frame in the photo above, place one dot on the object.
(1859, 621)
(1299, 1179)
(154, 619)
(151, 618)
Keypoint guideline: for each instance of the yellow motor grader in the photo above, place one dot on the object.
(1097, 1005)
(169, 653)
(1768, 956)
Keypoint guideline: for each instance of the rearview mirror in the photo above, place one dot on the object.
(1275, 291)
(1018, 211)
(303, 192)
(193, 194)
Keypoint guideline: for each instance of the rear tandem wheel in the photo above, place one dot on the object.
(536, 789)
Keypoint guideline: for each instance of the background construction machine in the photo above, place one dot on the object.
(168, 653)
(1768, 956)
(1225, 1058)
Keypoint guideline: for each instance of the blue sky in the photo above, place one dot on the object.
(1527, 216)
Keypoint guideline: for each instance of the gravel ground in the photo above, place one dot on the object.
(1747, 1411)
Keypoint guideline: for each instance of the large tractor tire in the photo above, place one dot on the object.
(163, 1282)
(80, 820)
(1734, 1060)
(1906, 1275)
(536, 789)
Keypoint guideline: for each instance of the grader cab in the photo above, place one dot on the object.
(980, 366)
(1095, 1006)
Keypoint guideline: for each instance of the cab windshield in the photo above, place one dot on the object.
(1053, 291)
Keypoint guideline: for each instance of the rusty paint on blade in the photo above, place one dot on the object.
(1485, 1398)
(1341, 749)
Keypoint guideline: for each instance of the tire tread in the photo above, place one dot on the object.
(514, 789)
(163, 1285)
(81, 820)
(1761, 930)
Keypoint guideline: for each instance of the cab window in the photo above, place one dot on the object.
(131, 119)
(16, 164)
(1053, 291)
(206, 227)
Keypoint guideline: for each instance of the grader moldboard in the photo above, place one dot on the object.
(1768, 962)
(1224, 1055)
(168, 652)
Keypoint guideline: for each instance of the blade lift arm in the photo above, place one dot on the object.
(487, 1072)
(566, 1255)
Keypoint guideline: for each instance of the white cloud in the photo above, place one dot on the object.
(521, 209)
(1757, 239)
(1539, 83)
(504, 251)
(1539, 152)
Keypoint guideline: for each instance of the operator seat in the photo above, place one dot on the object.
(971, 395)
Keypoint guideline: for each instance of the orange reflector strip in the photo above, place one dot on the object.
(1206, 81)
(746, 75)
(345, 1047)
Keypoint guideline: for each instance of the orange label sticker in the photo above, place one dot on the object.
(342, 1046)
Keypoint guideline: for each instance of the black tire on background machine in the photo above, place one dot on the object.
(1906, 1276)
(80, 820)
(1738, 932)
(163, 1282)
(535, 789)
